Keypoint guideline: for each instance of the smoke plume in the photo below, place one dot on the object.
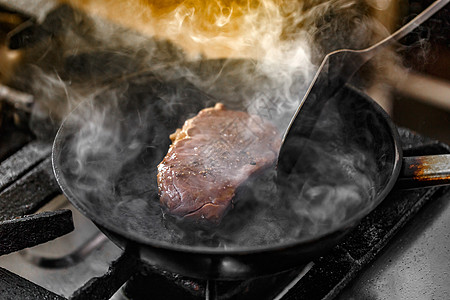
(173, 58)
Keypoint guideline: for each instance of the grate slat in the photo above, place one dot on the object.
(105, 286)
(13, 286)
(22, 161)
(29, 193)
(29, 231)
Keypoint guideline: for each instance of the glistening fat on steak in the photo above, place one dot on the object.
(212, 155)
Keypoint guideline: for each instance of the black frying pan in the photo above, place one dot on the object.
(110, 176)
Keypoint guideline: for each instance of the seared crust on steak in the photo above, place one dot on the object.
(212, 155)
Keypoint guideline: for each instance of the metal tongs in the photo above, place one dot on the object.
(336, 70)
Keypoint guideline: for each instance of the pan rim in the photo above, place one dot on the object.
(220, 251)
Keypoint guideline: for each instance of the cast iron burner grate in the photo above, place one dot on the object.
(27, 183)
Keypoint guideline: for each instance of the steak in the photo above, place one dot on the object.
(212, 155)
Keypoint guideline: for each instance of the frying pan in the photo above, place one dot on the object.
(107, 170)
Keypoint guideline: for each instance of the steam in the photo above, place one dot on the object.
(179, 57)
(263, 53)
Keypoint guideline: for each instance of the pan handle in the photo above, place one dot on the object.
(424, 171)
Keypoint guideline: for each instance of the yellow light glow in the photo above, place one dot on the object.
(222, 28)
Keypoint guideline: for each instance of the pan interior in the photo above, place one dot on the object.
(107, 168)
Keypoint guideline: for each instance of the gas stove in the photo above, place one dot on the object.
(50, 251)
(85, 264)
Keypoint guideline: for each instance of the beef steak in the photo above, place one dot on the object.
(212, 155)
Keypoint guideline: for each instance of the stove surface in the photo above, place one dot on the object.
(415, 264)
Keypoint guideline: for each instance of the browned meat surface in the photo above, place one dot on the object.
(212, 155)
